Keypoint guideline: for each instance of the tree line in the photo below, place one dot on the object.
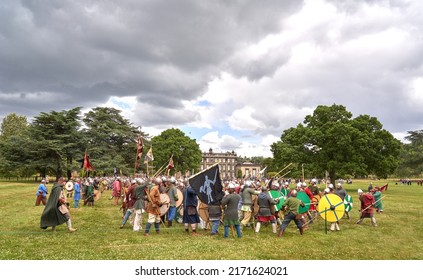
(54, 144)
(330, 141)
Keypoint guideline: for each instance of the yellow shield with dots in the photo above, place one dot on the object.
(331, 207)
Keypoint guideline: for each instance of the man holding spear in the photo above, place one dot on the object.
(367, 201)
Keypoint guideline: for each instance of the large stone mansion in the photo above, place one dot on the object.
(229, 166)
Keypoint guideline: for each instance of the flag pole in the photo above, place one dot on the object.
(135, 166)
(204, 170)
(168, 169)
(160, 169)
(286, 173)
(282, 169)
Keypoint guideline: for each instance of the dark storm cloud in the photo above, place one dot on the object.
(86, 51)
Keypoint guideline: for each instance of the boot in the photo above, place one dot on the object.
(258, 225)
(169, 223)
(280, 233)
(332, 227)
(69, 224)
(274, 228)
(301, 230)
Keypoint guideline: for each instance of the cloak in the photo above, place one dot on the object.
(51, 215)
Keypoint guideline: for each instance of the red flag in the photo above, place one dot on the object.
(87, 163)
(170, 165)
(140, 148)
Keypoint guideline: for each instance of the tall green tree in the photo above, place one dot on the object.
(330, 140)
(411, 164)
(186, 151)
(14, 146)
(13, 125)
(110, 140)
(55, 141)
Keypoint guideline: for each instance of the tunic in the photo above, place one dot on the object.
(231, 212)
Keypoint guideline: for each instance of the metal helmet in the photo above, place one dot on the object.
(294, 193)
(157, 181)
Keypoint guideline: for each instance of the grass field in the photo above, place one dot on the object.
(399, 235)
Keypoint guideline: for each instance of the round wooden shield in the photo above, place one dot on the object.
(306, 200)
(348, 203)
(103, 184)
(331, 207)
(69, 186)
(164, 199)
(276, 194)
(255, 204)
(284, 192)
(203, 211)
(316, 199)
(180, 198)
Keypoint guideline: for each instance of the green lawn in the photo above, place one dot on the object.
(398, 236)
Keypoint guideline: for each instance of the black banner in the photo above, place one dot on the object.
(208, 186)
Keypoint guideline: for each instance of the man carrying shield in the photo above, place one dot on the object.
(247, 193)
(265, 202)
(292, 205)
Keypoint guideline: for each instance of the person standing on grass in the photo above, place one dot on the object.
(139, 204)
(265, 203)
(215, 214)
(130, 202)
(367, 202)
(190, 217)
(377, 194)
(173, 197)
(292, 206)
(117, 187)
(153, 207)
(77, 193)
(231, 218)
(247, 203)
(41, 193)
(56, 211)
(342, 193)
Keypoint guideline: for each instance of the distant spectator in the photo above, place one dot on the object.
(41, 193)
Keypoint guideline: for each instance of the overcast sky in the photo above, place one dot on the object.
(231, 74)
